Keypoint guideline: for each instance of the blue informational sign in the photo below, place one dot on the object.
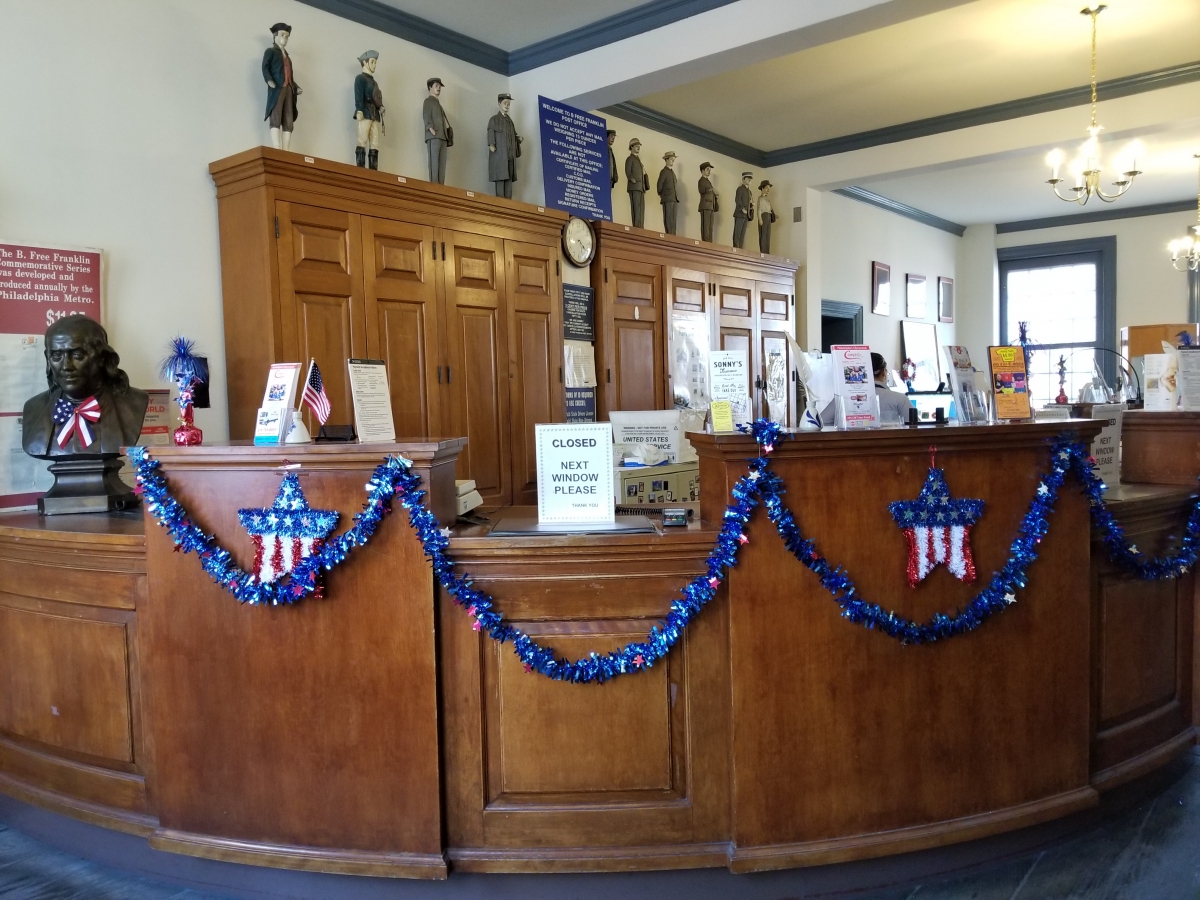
(575, 160)
(581, 404)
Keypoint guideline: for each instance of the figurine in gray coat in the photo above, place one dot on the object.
(766, 217)
(438, 132)
(708, 202)
(743, 210)
(282, 89)
(668, 192)
(636, 183)
(504, 146)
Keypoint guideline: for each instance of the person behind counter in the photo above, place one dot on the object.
(893, 406)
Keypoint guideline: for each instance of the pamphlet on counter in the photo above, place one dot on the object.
(854, 384)
(1010, 383)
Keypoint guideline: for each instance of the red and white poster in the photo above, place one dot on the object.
(38, 285)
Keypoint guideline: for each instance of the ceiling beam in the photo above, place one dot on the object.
(1103, 215)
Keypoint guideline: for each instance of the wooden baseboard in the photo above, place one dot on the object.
(906, 840)
(1144, 763)
(430, 866)
(93, 813)
(590, 859)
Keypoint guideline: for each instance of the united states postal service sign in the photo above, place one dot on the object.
(575, 473)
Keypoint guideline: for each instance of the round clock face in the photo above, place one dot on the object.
(578, 241)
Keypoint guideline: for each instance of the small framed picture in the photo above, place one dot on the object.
(881, 289)
(945, 299)
(914, 296)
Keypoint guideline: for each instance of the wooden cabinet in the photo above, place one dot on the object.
(648, 286)
(460, 295)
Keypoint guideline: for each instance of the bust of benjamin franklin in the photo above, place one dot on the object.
(81, 367)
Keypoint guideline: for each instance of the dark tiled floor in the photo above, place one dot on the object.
(1144, 844)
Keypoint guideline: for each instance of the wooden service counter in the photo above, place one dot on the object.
(374, 732)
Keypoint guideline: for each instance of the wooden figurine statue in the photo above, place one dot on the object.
(368, 111)
(282, 89)
(708, 202)
(81, 423)
(438, 133)
(743, 210)
(766, 217)
(668, 192)
(504, 146)
(613, 175)
(637, 183)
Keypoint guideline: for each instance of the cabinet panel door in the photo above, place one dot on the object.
(477, 360)
(535, 356)
(736, 318)
(691, 317)
(776, 318)
(632, 352)
(403, 327)
(321, 296)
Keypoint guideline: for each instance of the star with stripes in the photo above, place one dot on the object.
(938, 530)
(287, 532)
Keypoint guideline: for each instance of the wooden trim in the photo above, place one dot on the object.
(591, 859)
(313, 456)
(305, 859)
(906, 840)
(91, 813)
(615, 239)
(1142, 420)
(1143, 763)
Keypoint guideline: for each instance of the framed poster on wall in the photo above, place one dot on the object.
(881, 289)
(946, 300)
(914, 296)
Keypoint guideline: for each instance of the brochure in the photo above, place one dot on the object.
(854, 383)
(1010, 383)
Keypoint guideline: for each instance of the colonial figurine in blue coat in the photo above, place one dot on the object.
(282, 89)
(368, 111)
(504, 146)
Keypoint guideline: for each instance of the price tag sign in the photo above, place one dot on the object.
(575, 473)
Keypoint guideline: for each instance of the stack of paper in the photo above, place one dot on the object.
(468, 497)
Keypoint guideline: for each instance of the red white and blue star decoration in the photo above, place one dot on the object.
(938, 529)
(286, 533)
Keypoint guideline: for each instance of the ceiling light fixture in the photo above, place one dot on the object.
(1086, 166)
(1185, 252)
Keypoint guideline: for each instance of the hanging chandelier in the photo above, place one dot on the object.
(1086, 166)
(1185, 252)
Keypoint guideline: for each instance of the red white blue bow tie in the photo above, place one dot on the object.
(74, 420)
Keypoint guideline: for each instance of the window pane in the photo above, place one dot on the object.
(1043, 373)
(1059, 303)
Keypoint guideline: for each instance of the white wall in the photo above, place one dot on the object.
(977, 292)
(1149, 290)
(112, 111)
(852, 235)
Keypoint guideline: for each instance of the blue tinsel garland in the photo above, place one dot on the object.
(759, 484)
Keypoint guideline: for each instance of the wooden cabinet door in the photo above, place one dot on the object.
(477, 360)
(321, 296)
(535, 350)
(631, 326)
(736, 322)
(403, 327)
(776, 320)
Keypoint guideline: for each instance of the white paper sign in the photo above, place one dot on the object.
(580, 360)
(1160, 382)
(281, 385)
(1106, 446)
(1189, 379)
(729, 379)
(372, 401)
(575, 472)
(854, 382)
(661, 428)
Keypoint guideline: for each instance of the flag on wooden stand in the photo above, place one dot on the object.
(314, 393)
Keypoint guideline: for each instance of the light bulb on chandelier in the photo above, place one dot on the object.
(1086, 166)
(1185, 252)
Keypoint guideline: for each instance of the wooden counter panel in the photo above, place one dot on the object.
(83, 706)
(1142, 643)
(542, 775)
(841, 732)
(1160, 447)
(282, 728)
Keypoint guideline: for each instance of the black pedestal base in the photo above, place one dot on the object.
(87, 485)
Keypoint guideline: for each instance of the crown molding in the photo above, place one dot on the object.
(1104, 215)
(862, 195)
(677, 128)
(631, 22)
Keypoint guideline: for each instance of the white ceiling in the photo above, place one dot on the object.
(513, 24)
(960, 58)
(1013, 188)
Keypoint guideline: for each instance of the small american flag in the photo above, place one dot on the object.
(314, 393)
